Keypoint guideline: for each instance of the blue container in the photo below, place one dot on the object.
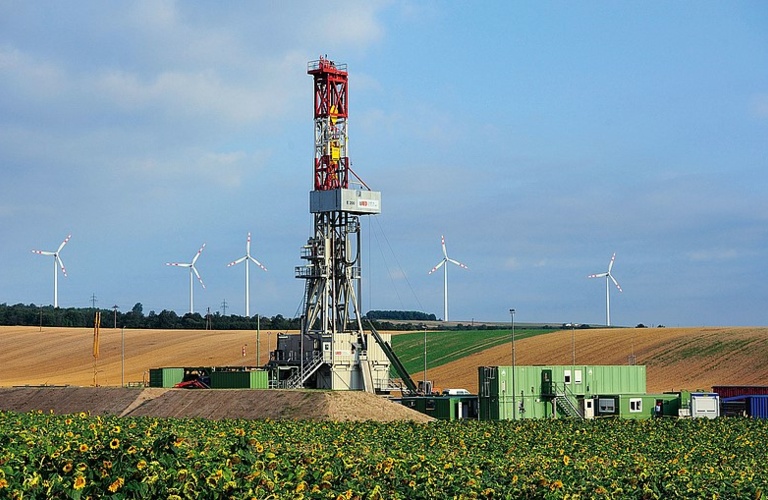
(757, 406)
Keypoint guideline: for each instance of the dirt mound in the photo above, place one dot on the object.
(64, 400)
(211, 404)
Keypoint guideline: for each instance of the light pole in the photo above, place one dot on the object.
(514, 389)
(424, 387)
(573, 344)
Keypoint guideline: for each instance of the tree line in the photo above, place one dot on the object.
(33, 315)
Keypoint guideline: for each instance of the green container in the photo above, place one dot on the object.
(254, 379)
(444, 407)
(165, 377)
(539, 391)
(637, 406)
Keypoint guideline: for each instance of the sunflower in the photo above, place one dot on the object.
(114, 444)
(3, 483)
(83, 448)
(116, 484)
(79, 483)
(67, 468)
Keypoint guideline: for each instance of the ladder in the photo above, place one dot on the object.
(297, 380)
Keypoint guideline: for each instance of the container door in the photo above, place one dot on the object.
(589, 408)
(546, 382)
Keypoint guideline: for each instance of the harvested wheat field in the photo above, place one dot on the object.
(676, 358)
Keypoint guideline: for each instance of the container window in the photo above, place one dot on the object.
(567, 377)
(577, 376)
(430, 405)
(606, 405)
(635, 405)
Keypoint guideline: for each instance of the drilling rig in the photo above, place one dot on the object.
(333, 351)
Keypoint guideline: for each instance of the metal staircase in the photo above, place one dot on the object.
(297, 380)
(565, 401)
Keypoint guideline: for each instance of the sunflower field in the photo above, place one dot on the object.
(43, 455)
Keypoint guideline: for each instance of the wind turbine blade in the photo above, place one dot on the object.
(198, 276)
(43, 252)
(63, 243)
(178, 264)
(438, 266)
(235, 262)
(198, 254)
(601, 275)
(257, 263)
(456, 262)
(61, 264)
(610, 264)
(442, 242)
(615, 282)
(248, 245)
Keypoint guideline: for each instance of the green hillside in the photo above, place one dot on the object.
(444, 347)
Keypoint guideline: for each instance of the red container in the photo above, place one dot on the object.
(729, 391)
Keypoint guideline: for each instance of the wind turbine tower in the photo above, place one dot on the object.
(608, 278)
(247, 258)
(442, 264)
(57, 262)
(334, 349)
(192, 272)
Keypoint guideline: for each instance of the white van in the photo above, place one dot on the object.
(456, 392)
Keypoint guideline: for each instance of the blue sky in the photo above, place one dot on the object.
(538, 137)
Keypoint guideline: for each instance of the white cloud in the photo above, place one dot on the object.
(714, 255)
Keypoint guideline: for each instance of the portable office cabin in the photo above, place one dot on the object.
(637, 406)
(552, 390)
(705, 405)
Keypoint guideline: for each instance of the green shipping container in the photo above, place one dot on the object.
(165, 377)
(444, 407)
(551, 391)
(254, 379)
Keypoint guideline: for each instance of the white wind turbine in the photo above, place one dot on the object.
(247, 258)
(192, 270)
(608, 278)
(445, 275)
(56, 263)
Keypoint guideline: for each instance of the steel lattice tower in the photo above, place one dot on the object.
(332, 333)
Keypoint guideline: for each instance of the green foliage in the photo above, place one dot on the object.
(401, 315)
(52, 456)
(444, 347)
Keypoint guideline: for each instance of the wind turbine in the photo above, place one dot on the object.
(56, 263)
(445, 275)
(192, 270)
(608, 278)
(247, 258)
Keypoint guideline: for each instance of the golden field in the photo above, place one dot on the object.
(676, 358)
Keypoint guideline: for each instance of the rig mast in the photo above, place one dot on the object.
(335, 352)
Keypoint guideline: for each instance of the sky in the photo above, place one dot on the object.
(538, 137)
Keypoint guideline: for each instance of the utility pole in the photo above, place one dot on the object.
(224, 307)
(115, 307)
(93, 301)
